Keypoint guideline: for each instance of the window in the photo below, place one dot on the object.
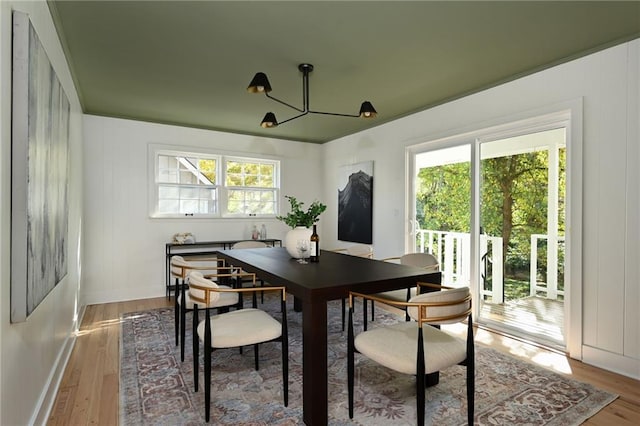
(251, 187)
(211, 185)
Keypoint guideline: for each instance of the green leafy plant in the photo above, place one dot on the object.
(299, 217)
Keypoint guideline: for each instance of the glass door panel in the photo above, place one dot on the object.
(522, 187)
(442, 182)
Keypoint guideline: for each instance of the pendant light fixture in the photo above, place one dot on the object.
(260, 84)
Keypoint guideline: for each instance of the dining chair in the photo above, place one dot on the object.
(247, 245)
(213, 270)
(426, 261)
(418, 347)
(360, 250)
(235, 329)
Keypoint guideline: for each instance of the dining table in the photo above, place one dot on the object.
(313, 285)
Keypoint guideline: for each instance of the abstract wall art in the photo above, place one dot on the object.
(39, 173)
(355, 203)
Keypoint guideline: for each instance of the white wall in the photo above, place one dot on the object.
(33, 353)
(124, 255)
(607, 82)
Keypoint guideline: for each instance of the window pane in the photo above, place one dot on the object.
(189, 206)
(266, 170)
(234, 180)
(165, 192)
(234, 167)
(208, 169)
(168, 206)
(251, 180)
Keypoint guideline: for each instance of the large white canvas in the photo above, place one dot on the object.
(40, 173)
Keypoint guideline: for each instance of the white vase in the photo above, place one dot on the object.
(292, 237)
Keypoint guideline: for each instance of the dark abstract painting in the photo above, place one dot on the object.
(355, 203)
(39, 173)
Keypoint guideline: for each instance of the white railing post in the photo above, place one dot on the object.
(497, 276)
(533, 266)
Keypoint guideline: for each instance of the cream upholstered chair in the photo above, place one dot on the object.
(418, 347)
(180, 270)
(426, 261)
(360, 250)
(247, 326)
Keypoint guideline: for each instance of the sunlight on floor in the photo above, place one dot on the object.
(552, 360)
(97, 327)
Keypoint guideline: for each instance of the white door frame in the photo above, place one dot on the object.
(569, 114)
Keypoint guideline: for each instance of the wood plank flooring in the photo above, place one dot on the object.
(89, 391)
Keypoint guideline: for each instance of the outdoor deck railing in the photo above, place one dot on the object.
(453, 251)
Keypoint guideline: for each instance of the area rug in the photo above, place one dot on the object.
(157, 389)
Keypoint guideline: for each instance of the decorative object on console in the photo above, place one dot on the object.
(300, 221)
(260, 84)
(184, 238)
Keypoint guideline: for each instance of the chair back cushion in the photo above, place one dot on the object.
(421, 260)
(197, 278)
(249, 244)
(455, 308)
(177, 266)
(360, 250)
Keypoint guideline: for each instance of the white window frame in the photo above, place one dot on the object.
(226, 188)
(221, 210)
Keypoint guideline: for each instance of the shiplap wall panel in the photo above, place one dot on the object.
(632, 246)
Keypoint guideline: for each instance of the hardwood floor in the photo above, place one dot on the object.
(89, 391)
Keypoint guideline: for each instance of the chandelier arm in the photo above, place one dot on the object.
(293, 118)
(333, 113)
(284, 103)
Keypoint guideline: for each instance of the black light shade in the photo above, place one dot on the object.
(259, 84)
(269, 120)
(367, 110)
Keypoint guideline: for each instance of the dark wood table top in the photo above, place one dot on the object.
(329, 279)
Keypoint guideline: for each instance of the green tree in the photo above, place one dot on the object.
(513, 201)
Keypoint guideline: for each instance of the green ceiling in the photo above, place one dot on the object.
(189, 63)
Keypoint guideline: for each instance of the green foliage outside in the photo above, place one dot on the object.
(513, 206)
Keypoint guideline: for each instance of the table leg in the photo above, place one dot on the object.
(314, 363)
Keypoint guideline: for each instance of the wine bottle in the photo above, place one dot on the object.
(314, 246)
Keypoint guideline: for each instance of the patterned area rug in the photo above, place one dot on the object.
(157, 389)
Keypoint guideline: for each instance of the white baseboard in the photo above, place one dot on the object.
(121, 295)
(50, 391)
(620, 364)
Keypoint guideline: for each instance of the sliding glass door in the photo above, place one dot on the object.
(492, 209)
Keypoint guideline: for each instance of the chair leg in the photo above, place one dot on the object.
(372, 311)
(406, 311)
(343, 310)
(207, 366)
(471, 373)
(420, 379)
(176, 311)
(196, 347)
(350, 362)
(285, 354)
(183, 326)
(364, 314)
(256, 356)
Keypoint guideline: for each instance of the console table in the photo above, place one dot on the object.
(203, 248)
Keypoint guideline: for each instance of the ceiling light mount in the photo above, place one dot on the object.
(260, 84)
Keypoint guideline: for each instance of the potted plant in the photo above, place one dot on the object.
(300, 221)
